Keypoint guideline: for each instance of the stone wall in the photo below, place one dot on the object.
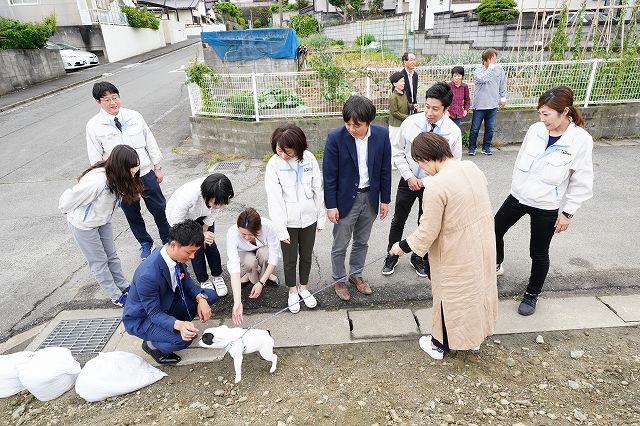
(252, 139)
(22, 68)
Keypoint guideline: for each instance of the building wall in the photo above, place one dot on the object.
(22, 68)
(118, 41)
(173, 31)
(86, 37)
(66, 11)
(385, 28)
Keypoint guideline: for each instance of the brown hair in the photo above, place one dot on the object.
(488, 54)
(429, 146)
(289, 136)
(249, 219)
(559, 98)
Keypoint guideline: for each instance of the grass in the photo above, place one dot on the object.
(267, 155)
(217, 157)
(177, 151)
(319, 154)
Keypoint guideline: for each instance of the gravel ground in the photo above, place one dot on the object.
(574, 377)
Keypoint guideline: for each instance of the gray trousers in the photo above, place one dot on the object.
(358, 224)
(99, 249)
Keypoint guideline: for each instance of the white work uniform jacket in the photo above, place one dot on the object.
(294, 193)
(187, 203)
(103, 136)
(89, 204)
(546, 178)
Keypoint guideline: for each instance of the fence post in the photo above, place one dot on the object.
(254, 87)
(190, 90)
(592, 78)
(367, 89)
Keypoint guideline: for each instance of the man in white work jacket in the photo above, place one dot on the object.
(115, 125)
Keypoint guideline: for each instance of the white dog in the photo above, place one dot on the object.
(239, 341)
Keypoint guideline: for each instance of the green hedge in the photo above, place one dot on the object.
(140, 17)
(497, 10)
(24, 35)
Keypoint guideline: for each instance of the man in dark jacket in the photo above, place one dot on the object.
(410, 81)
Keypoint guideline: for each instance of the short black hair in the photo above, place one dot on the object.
(218, 187)
(394, 78)
(442, 92)
(405, 56)
(457, 70)
(289, 136)
(359, 109)
(187, 233)
(101, 88)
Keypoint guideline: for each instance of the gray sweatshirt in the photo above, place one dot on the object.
(490, 86)
(90, 203)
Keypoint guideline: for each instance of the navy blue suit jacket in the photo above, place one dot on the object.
(150, 296)
(340, 169)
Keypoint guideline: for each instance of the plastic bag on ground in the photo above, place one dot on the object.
(9, 380)
(115, 373)
(49, 373)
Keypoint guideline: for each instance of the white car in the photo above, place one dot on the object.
(72, 57)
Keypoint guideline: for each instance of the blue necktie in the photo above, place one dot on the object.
(118, 124)
(177, 275)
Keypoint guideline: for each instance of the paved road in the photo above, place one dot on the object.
(44, 150)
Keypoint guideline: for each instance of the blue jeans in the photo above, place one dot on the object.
(156, 204)
(489, 117)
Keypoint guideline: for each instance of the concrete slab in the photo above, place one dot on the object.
(306, 328)
(19, 339)
(574, 313)
(626, 307)
(383, 323)
(424, 319)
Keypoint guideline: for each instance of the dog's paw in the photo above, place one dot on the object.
(274, 363)
(237, 380)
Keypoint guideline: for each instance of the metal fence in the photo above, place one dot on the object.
(303, 94)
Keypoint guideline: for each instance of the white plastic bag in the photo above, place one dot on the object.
(49, 373)
(115, 373)
(9, 381)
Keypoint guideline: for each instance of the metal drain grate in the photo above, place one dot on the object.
(228, 166)
(82, 337)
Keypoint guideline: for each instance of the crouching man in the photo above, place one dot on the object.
(163, 300)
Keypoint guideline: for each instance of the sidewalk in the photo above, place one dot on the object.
(19, 97)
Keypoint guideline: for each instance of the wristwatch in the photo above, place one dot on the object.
(567, 215)
(201, 296)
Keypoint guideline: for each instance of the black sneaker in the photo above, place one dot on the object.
(420, 266)
(528, 305)
(389, 265)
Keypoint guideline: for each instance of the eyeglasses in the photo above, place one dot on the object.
(109, 100)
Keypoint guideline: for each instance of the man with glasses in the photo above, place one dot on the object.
(410, 81)
(113, 126)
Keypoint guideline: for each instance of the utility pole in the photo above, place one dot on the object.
(280, 13)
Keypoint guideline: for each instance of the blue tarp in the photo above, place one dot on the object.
(275, 43)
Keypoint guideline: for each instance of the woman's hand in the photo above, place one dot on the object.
(256, 290)
(236, 313)
(209, 237)
(562, 223)
(396, 250)
(287, 241)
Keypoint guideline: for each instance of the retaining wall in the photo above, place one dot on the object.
(25, 67)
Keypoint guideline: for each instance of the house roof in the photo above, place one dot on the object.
(172, 4)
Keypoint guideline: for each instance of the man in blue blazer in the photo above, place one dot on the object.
(357, 185)
(163, 300)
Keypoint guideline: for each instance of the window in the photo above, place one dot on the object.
(22, 2)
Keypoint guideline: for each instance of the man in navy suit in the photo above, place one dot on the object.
(357, 185)
(163, 300)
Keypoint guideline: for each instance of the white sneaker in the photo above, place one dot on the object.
(294, 302)
(207, 284)
(425, 345)
(220, 286)
(308, 299)
(499, 269)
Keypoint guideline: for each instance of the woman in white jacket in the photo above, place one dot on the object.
(89, 206)
(295, 197)
(552, 177)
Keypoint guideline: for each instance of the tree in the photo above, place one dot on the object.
(376, 7)
(497, 10)
(228, 9)
(346, 6)
(304, 25)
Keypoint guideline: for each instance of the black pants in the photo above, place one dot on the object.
(302, 241)
(542, 229)
(156, 204)
(444, 345)
(206, 254)
(405, 198)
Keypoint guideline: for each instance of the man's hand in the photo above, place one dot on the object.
(204, 310)
(187, 330)
(501, 104)
(236, 313)
(159, 175)
(562, 223)
(256, 290)
(396, 250)
(333, 215)
(384, 210)
(209, 237)
(414, 183)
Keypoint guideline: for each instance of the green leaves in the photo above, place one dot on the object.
(304, 25)
(25, 35)
(228, 9)
(275, 98)
(140, 17)
(497, 10)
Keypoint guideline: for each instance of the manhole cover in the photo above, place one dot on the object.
(228, 166)
(82, 337)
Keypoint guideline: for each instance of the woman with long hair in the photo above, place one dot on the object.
(293, 183)
(252, 247)
(552, 177)
(89, 207)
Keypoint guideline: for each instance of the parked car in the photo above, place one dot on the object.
(72, 57)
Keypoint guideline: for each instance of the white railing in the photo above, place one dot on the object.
(108, 16)
(301, 94)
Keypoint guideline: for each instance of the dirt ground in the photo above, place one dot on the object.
(575, 377)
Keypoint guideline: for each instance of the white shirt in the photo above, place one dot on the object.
(235, 243)
(187, 203)
(172, 267)
(411, 127)
(362, 150)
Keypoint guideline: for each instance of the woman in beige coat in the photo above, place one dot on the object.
(457, 230)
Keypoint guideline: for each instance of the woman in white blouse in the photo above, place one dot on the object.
(252, 247)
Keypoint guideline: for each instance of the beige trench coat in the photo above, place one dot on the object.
(457, 230)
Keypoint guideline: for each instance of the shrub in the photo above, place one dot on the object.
(279, 98)
(140, 17)
(199, 73)
(240, 103)
(497, 10)
(368, 38)
(304, 25)
(25, 35)
(228, 9)
(286, 7)
(241, 21)
(257, 23)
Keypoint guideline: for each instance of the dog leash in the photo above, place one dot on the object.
(270, 317)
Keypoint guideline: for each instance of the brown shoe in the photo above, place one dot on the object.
(342, 291)
(361, 285)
